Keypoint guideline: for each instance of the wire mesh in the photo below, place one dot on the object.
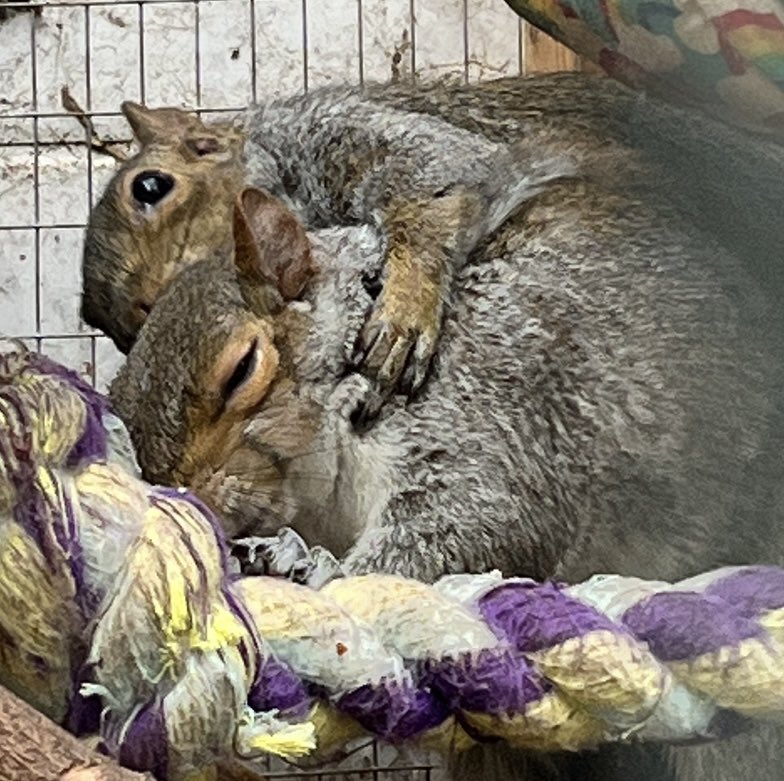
(213, 56)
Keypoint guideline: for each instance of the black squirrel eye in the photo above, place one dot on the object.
(242, 371)
(151, 187)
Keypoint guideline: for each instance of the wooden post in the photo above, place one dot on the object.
(544, 54)
(33, 748)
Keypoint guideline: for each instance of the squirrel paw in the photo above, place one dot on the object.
(394, 350)
(286, 555)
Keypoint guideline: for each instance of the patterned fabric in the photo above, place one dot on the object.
(725, 55)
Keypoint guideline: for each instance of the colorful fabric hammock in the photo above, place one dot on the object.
(723, 55)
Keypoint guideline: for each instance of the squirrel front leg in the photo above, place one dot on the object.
(432, 189)
(427, 239)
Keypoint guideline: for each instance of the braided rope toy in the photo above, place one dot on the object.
(118, 615)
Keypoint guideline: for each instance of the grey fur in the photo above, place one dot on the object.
(606, 396)
(306, 149)
(415, 139)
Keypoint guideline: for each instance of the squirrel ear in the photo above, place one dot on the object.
(155, 124)
(142, 121)
(220, 145)
(270, 244)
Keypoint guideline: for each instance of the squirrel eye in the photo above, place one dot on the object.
(151, 187)
(242, 371)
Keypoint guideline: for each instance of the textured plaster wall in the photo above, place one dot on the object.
(196, 55)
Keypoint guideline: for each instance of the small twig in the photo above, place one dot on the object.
(397, 58)
(96, 142)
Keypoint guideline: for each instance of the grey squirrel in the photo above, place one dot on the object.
(337, 157)
(606, 394)
(435, 168)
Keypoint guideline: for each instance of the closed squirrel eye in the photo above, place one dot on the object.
(243, 372)
(150, 187)
(244, 369)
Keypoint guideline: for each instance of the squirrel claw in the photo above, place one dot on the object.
(395, 358)
(419, 364)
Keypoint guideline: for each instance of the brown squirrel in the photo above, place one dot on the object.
(605, 396)
(435, 168)
(338, 157)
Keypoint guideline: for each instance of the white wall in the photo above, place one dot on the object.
(95, 51)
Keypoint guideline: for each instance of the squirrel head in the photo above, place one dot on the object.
(214, 358)
(168, 206)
